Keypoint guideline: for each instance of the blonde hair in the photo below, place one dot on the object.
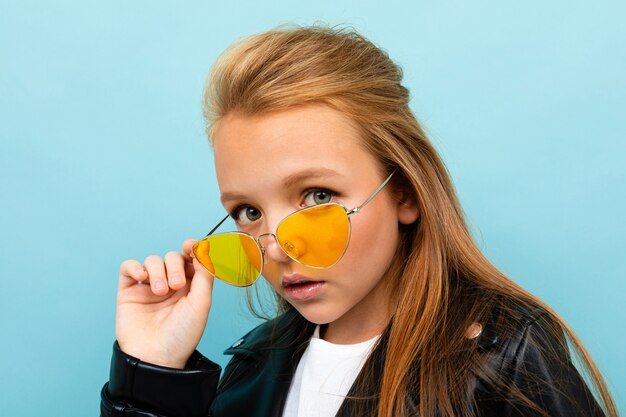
(442, 282)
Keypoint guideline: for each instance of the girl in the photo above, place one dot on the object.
(386, 307)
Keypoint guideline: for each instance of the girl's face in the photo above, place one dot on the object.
(270, 165)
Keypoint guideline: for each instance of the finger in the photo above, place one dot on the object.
(188, 255)
(131, 272)
(187, 248)
(156, 272)
(201, 291)
(175, 270)
(201, 253)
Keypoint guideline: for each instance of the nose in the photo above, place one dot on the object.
(272, 249)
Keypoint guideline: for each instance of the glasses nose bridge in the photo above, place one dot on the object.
(265, 235)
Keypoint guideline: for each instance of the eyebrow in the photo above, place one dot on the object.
(289, 181)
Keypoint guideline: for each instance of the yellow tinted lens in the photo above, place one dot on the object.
(234, 258)
(317, 236)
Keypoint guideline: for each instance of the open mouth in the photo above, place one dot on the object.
(298, 288)
(297, 283)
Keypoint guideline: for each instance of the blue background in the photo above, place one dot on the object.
(104, 158)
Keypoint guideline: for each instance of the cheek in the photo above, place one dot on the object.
(373, 244)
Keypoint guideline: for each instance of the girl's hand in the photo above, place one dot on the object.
(162, 320)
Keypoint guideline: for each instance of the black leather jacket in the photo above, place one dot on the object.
(257, 379)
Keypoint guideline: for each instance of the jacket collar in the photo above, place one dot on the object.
(286, 332)
(280, 343)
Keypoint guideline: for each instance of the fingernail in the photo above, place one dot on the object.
(160, 286)
(139, 271)
(176, 279)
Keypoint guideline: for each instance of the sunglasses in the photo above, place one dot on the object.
(315, 236)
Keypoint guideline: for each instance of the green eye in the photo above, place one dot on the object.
(245, 215)
(315, 197)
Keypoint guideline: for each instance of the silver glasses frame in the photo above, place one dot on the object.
(262, 249)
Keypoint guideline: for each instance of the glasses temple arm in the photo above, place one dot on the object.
(218, 225)
(358, 208)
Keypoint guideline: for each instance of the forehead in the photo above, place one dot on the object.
(253, 149)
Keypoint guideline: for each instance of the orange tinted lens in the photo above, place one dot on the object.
(317, 236)
(234, 258)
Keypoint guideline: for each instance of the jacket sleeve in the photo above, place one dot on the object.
(541, 368)
(141, 389)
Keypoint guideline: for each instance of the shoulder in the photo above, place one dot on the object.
(510, 322)
(529, 367)
(516, 334)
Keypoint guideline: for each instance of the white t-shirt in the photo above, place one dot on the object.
(324, 376)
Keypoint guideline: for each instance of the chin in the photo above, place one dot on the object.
(315, 316)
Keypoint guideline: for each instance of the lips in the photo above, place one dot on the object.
(300, 288)
(294, 279)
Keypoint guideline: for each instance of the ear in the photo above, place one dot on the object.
(408, 211)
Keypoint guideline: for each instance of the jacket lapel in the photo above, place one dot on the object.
(257, 379)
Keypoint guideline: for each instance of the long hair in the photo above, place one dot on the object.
(441, 281)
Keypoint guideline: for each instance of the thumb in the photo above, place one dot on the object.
(201, 292)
